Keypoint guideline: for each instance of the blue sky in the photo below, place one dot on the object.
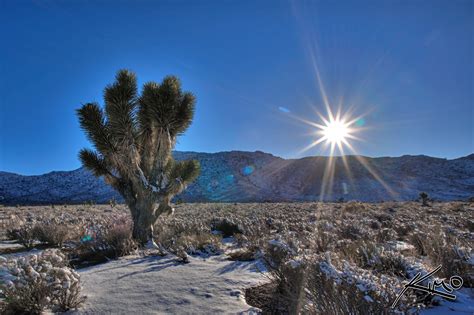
(407, 65)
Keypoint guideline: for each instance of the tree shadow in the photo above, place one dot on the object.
(136, 261)
(153, 265)
(251, 266)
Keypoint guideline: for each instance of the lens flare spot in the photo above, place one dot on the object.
(86, 238)
(360, 122)
(229, 179)
(345, 191)
(247, 170)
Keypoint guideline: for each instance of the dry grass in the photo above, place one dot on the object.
(380, 244)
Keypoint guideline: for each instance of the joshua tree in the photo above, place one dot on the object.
(133, 138)
(424, 199)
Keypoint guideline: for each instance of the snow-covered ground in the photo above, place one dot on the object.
(214, 285)
(153, 284)
(15, 250)
(463, 305)
(145, 284)
(10, 245)
(162, 285)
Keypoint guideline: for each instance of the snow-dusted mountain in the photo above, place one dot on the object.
(256, 176)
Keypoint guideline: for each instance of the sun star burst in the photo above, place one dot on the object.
(336, 131)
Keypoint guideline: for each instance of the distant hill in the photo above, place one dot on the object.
(257, 176)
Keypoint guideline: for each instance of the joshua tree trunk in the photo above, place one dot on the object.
(134, 139)
(143, 221)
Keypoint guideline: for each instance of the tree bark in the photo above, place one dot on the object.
(145, 211)
(143, 220)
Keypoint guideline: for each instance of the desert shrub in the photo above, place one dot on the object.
(291, 281)
(385, 235)
(23, 234)
(288, 276)
(429, 246)
(469, 224)
(384, 218)
(88, 253)
(112, 203)
(182, 255)
(350, 290)
(51, 233)
(278, 252)
(375, 225)
(118, 239)
(454, 257)
(242, 254)
(369, 255)
(190, 236)
(391, 263)
(419, 242)
(255, 234)
(424, 199)
(362, 253)
(33, 283)
(456, 260)
(354, 206)
(226, 227)
(262, 296)
(102, 240)
(323, 239)
(352, 231)
(312, 284)
(405, 230)
(365, 242)
(11, 234)
(453, 254)
(9, 227)
(196, 243)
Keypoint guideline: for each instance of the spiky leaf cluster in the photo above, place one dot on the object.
(135, 134)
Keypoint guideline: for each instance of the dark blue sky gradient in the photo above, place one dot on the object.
(407, 64)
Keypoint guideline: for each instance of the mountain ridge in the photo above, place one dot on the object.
(242, 176)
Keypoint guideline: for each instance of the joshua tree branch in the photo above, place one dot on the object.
(134, 139)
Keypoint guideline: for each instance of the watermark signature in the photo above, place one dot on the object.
(455, 283)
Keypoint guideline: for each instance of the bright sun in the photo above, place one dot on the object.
(335, 131)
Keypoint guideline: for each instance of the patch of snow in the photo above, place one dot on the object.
(6, 245)
(463, 305)
(399, 246)
(295, 263)
(150, 285)
(281, 245)
(368, 299)
(151, 244)
(17, 250)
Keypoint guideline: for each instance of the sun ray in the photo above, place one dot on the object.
(350, 136)
(372, 172)
(339, 139)
(332, 169)
(335, 132)
(347, 169)
(312, 145)
(325, 178)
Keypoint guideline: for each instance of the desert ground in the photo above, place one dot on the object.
(275, 258)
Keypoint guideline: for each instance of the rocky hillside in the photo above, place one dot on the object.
(256, 176)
